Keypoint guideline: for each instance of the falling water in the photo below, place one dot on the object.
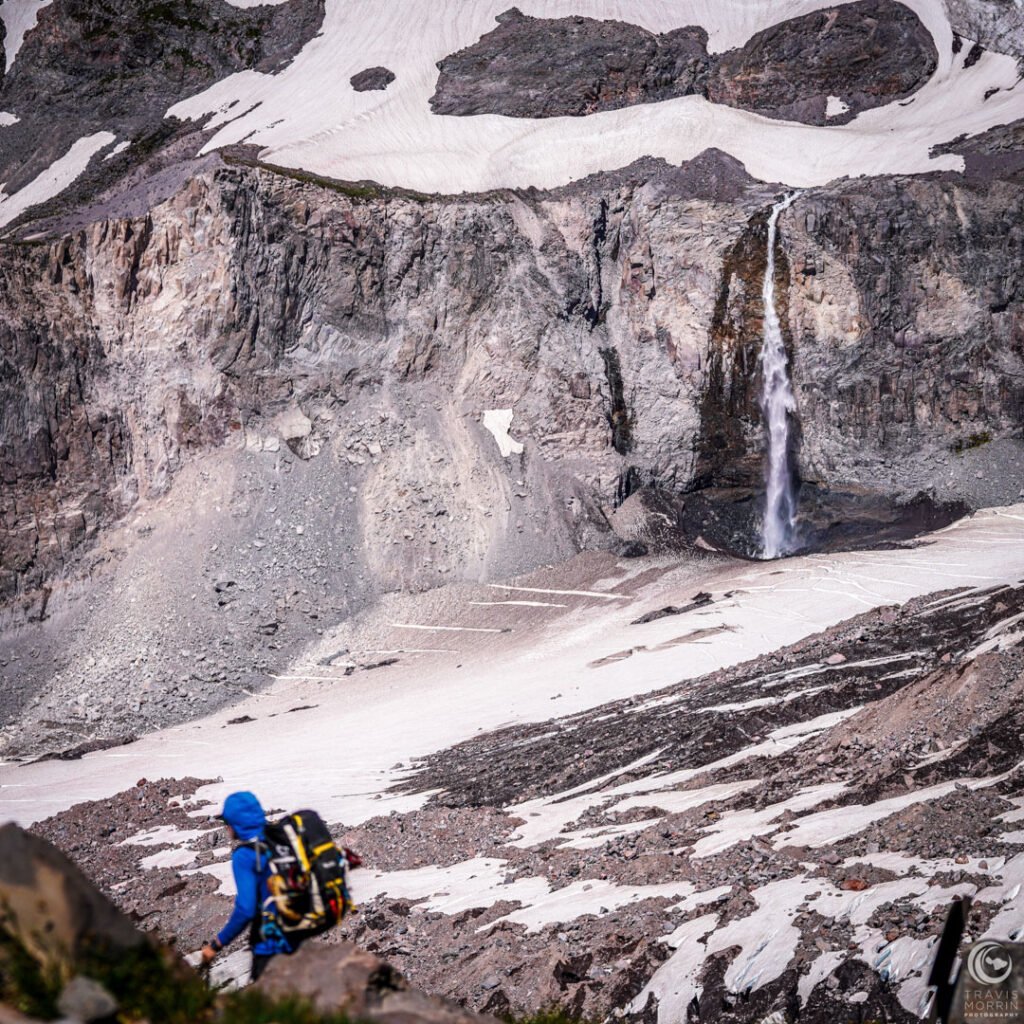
(777, 402)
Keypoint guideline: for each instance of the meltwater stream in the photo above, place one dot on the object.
(778, 531)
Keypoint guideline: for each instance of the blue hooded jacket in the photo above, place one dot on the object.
(242, 811)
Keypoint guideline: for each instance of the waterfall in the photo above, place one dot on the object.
(777, 402)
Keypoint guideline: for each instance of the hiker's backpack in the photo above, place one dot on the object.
(306, 877)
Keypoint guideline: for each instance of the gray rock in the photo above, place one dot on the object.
(866, 53)
(62, 74)
(84, 999)
(372, 78)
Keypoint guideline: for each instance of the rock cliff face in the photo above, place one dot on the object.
(321, 366)
(619, 320)
(995, 24)
(115, 66)
(863, 54)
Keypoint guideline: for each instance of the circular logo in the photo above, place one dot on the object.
(989, 963)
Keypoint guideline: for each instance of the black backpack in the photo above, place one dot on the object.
(307, 878)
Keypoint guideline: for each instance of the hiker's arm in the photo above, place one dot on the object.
(243, 866)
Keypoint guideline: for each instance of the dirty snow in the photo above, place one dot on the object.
(497, 685)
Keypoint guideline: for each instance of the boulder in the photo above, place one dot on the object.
(86, 1000)
(345, 979)
(48, 905)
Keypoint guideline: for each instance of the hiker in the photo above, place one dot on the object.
(246, 821)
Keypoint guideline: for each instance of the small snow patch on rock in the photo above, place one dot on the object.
(498, 421)
(834, 106)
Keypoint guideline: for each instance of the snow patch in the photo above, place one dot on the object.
(834, 106)
(168, 859)
(820, 969)
(19, 18)
(767, 938)
(498, 685)
(674, 984)
(394, 138)
(119, 148)
(7, 119)
(160, 834)
(498, 421)
(55, 178)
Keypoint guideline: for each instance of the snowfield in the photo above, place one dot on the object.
(309, 117)
(362, 726)
(393, 138)
(539, 658)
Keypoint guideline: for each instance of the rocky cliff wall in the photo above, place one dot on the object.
(619, 320)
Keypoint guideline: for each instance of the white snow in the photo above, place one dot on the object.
(19, 18)
(392, 136)
(675, 982)
(498, 421)
(834, 106)
(119, 148)
(546, 817)
(160, 834)
(7, 119)
(61, 173)
(830, 826)
(168, 859)
(483, 881)
(362, 729)
(595, 896)
(737, 826)
(820, 969)
(563, 593)
(767, 937)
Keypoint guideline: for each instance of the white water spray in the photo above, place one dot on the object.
(777, 402)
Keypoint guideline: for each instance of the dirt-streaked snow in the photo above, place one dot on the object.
(393, 137)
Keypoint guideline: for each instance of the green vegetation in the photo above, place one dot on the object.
(150, 984)
(974, 441)
(24, 984)
(249, 1007)
(552, 1015)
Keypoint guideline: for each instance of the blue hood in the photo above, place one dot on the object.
(242, 811)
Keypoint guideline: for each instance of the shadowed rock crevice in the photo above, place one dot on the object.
(730, 442)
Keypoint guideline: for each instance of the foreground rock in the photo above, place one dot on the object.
(65, 947)
(345, 979)
(50, 907)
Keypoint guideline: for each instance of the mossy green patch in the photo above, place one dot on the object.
(974, 441)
